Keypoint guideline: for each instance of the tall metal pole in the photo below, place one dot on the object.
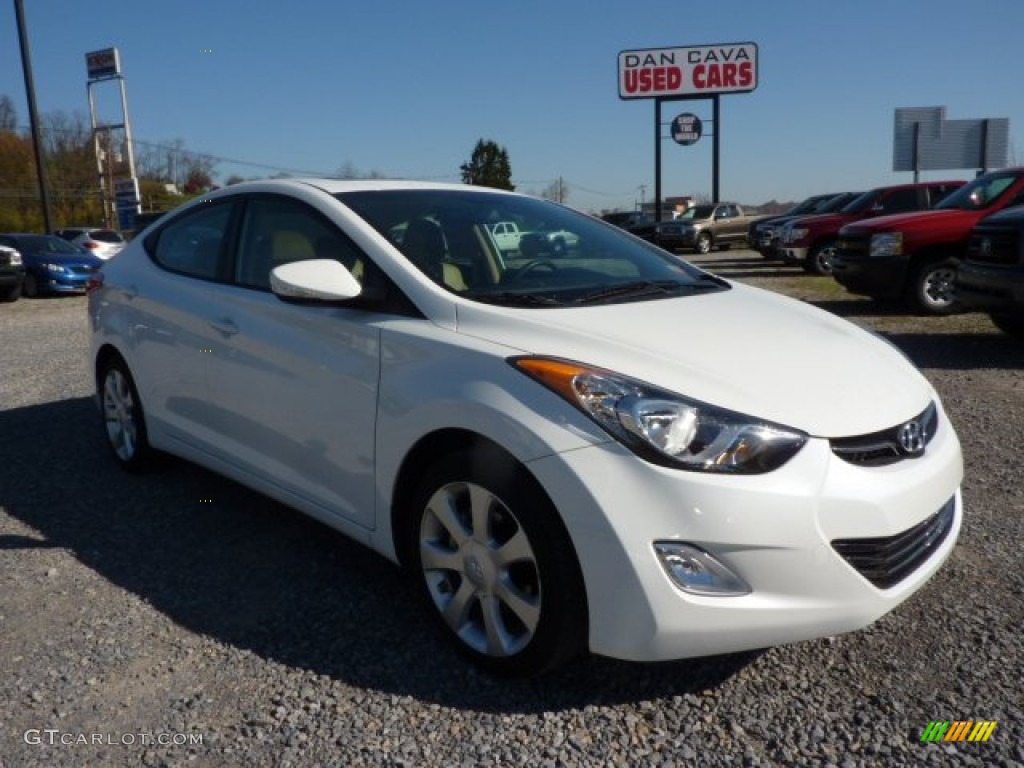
(33, 116)
(657, 159)
(716, 151)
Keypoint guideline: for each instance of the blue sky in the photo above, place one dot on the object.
(405, 89)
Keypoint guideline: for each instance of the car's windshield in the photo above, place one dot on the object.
(698, 212)
(46, 244)
(862, 202)
(980, 193)
(838, 202)
(808, 205)
(106, 236)
(553, 256)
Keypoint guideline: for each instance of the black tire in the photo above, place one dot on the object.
(11, 294)
(703, 243)
(930, 288)
(510, 597)
(1010, 324)
(123, 418)
(819, 260)
(30, 286)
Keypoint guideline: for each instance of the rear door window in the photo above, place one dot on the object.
(194, 244)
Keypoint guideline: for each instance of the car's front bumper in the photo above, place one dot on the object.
(990, 288)
(677, 241)
(50, 282)
(883, 277)
(776, 531)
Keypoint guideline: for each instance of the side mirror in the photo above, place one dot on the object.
(314, 280)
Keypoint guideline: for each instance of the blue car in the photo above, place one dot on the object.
(52, 265)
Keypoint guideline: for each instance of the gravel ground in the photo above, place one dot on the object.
(179, 619)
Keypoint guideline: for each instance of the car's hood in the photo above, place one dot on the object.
(823, 221)
(933, 219)
(745, 349)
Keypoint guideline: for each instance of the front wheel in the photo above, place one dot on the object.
(703, 243)
(819, 261)
(496, 565)
(122, 416)
(11, 294)
(30, 286)
(930, 290)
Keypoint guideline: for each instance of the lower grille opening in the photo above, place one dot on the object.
(887, 560)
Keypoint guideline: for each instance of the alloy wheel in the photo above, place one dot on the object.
(480, 569)
(119, 415)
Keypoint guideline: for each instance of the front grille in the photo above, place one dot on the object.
(82, 269)
(887, 560)
(853, 247)
(880, 448)
(995, 246)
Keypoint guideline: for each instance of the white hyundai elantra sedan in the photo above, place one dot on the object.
(599, 448)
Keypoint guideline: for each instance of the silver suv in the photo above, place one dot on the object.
(103, 243)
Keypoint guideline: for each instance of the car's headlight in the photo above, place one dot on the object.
(664, 427)
(796, 233)
(886, 244)
(55, 268)
(15, 259)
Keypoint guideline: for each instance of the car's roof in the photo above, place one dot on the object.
(336, 186)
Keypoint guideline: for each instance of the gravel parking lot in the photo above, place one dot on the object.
(176, 618)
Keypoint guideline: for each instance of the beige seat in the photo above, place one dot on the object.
(424, 245)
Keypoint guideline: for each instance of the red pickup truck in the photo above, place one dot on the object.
(811, 240)
(914, 256)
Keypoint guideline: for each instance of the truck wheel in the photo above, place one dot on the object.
(819, 261)
(930, 290)
(495, 564)
(11, 294)
(703, 243)
(1012, 325)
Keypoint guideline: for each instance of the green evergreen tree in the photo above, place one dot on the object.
(488, 167)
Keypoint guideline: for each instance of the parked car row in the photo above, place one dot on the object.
(939, 246)
(32, 264)
(810, 241)
(915, 256)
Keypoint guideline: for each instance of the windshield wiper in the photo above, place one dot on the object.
(641, 288)
(513, 299)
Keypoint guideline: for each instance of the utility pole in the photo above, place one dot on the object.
(33, 116)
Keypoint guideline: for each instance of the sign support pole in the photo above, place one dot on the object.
(715, 150)
(657, 159)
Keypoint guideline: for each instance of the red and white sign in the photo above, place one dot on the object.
(701, 70)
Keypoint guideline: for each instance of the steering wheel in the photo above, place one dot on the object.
(530, 266)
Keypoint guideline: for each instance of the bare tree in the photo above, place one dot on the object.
(8, 115)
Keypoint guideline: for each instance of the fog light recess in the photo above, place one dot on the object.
(695, 571)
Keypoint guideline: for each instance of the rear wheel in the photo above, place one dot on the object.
(122, 415)
(930, 290)
(495, 564)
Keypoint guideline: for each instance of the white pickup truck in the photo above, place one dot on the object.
(507, 236)
(510, 238)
